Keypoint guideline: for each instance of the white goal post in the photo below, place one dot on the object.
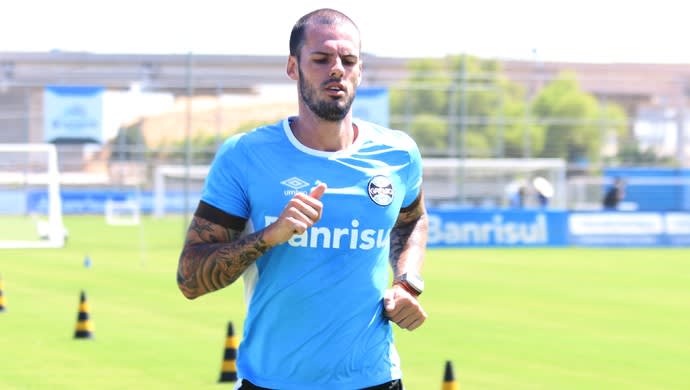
(168, 178)
(491, 182)
(125, 212)
(30, 197)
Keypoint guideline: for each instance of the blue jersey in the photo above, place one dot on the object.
(315, 303)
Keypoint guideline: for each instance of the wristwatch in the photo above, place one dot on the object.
(412, 282)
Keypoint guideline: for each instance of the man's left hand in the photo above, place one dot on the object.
(403, 308)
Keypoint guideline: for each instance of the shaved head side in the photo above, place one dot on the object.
(323, 16)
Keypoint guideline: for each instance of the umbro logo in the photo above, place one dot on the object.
(295, 184)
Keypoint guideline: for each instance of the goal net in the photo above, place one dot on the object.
(491, 183)
(177, 188)
(122, 212)
(30, 204)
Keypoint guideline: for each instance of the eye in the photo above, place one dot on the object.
(350, 60)
(320, 59)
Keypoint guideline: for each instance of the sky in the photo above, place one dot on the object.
(582, 31)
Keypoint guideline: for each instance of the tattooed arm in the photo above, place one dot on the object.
(215, 256)
(407, 248)
(408, 239)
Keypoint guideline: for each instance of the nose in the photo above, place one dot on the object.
(337, 70)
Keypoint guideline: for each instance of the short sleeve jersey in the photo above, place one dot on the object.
(315, 303)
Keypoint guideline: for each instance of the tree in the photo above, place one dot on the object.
(424, 91)
(467, 107)
(431, 131)
(632, 154)
(470, 107)
(576, 123)
(129, 143)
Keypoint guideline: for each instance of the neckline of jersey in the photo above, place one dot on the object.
(321, 153)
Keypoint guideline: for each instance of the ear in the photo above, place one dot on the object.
(291, 69)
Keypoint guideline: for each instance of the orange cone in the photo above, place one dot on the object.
(2, 297)
(449, 382)
(228, 372)
(84, 328)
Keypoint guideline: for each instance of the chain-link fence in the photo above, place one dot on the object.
(590, 117)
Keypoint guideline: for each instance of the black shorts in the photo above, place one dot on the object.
(392, 385)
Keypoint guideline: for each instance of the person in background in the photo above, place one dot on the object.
(542, 199)
(517, 199)
(312, 211)
(614, 195)
(544, 191)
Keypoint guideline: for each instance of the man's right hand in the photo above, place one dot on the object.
(300, 213)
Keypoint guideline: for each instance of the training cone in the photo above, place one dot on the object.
(87, 261)
(2, 297)
(449, 382)
(228, 372)
(84, 328)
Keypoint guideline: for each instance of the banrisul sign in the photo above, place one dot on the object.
(629, 229)
(454, 228)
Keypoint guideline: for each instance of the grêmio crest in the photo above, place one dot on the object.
(380, 190)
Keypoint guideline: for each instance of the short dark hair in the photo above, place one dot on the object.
(325, 16)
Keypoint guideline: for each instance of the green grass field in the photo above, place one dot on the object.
(18, 228)
(507, 319)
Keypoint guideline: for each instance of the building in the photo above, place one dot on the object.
(646, 91)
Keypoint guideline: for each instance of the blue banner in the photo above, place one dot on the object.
(93, 201)
(73, 113)
(449, 228)
(371, 104)
(629, 229)
(480, 228)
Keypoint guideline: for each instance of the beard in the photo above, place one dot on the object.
(329, 110)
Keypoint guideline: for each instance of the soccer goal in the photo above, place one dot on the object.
(492, 183)
(30, 203)
(122, 212)
(176, 186)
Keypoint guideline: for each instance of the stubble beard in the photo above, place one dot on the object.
(329, 110)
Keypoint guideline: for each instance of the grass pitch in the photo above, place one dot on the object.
(507, 318)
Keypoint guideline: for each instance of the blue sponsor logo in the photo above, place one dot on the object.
(478, 228)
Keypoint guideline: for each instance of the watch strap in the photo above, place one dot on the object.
(404, 284)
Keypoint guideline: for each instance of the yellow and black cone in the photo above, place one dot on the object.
(2, 297)
(84, 328)
(449, 382)
(228, 372)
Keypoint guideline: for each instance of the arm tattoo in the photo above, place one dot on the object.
(214, 257)
(408, 239)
